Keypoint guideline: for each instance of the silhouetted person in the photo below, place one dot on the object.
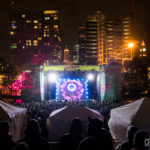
(104, 137)
(89, 143)
(129, 143)
(6, 142)
(139, 140)
(33, 138)
(71, 140)
(105, 124)
(21, 146)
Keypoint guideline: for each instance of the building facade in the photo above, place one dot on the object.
(94, 38)
(118, 35)
(66, 55)
(35, 38)
(76, 49)
(82, 45)
(107, 40)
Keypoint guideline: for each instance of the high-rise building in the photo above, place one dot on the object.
(95, 38)
(66, 55)
(51, 36)
(117, 38)
(23, 42)
(76, 49)
(126, 26)
(143, 50)
(35, 38)
(107, 40)
(82, 45)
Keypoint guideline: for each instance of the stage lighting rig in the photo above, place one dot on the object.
(52, 77)
(90, 76)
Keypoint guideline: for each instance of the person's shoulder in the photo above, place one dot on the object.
(23, 139)
(65, 137)
(124, 146)
(105, 132)
(43, 143)
(42, 139)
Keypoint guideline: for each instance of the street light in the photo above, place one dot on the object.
(131, 45)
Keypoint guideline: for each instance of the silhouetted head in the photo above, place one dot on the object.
(131, 132)
(4, 127)
(94, 126)
(33, 128)
(89, 143)
(76, 126)
(139, 140)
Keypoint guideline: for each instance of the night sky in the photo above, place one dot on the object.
(73, 14)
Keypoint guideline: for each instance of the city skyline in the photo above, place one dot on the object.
(73, 14)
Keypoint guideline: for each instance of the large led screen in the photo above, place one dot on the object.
(71, 89)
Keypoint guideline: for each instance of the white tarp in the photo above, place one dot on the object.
(136, 114)
(16, 116)
(60, 120)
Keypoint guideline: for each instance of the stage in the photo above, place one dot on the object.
(80, 82)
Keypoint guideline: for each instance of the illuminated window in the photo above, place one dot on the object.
(126, 29)
(12, 33)
(35, 21)
(28, 43)
(55, 18)
(144, 49)
(47, 18)
(56, 26)
(23, 16)
(47, 27)
(35, 27)
(13, 46)
(40, 25)
(126, 33)
(59, 39)
(28, 21)
(35, 43)
(13, 21)
(50, 12)
(14, 26)
(39, 38)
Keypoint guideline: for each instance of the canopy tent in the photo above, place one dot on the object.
(16, 116)
(60, 120)
(135, 114)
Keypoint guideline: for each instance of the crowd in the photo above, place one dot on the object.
(43, 109)
(98, 136)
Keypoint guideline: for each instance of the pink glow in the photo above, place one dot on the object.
(23, 82)
(18, 101)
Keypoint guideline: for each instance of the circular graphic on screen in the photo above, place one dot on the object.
(72, 89)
